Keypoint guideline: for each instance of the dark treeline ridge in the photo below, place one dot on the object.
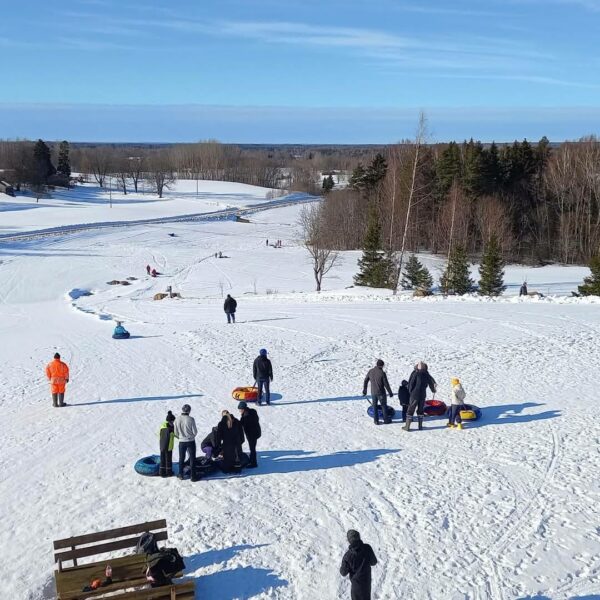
(542, 202)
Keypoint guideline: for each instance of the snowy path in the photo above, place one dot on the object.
(506, 509)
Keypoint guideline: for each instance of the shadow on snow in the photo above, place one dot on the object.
(142, 399)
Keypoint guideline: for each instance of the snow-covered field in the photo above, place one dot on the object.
(507, 508)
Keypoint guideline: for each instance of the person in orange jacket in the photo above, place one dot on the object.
(57, 373)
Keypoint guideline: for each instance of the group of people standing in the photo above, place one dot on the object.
(412, 395)
(222, 444)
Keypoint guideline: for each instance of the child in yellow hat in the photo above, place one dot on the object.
(457, 403)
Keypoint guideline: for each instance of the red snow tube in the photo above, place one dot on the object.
(249, 394)
(435, 408)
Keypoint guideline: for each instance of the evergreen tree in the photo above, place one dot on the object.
(376, 268)
(591, 284)
(43, 162)
(449, 168)
(376, 171)
(491, 270)
(416, 276)
(456, 279)
(357, 179)
(474, 168)
(64, 162)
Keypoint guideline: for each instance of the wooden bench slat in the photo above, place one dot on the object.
(89, 538)
(184, 591)
(66, 555)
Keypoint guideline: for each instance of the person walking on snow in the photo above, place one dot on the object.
(230, 307)
(418, 382)
(379, 386)
(166, 435)
(457, 403)
(262, 370)
(251, 425)
(148, 269)
(57, 373)
(357, 563)
(404, 397)
(523, 290)
(185, 432)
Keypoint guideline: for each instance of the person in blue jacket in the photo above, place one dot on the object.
(120, 333)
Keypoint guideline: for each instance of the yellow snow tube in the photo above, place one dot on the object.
(249, 394)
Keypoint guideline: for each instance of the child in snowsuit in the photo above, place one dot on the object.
(404, 397)
(457, 404)
(166, 436)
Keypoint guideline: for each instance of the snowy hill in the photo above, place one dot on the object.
(505, 509)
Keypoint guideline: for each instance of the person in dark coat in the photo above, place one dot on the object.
(262, 370)
(356, 564)
(251, 426)
(404, 397)
(230, 436)
(210, 445)
(379, 386)
(419, 381)
(230, 307)
(166, 437)
(523, 290)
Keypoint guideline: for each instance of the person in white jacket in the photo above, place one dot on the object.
(457, 403)
(185, 432)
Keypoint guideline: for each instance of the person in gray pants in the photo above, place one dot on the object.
(379, 386)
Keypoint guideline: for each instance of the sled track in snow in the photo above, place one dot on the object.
(219, 215)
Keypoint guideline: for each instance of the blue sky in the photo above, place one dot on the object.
(313, 71)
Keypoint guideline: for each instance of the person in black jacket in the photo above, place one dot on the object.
(210, 445)
(418, 382)
(251, 426)
(230, 307)
(357, 563)
(230, 436)
(379, 386)
(166, 436)
(404, 397)
(262, 370)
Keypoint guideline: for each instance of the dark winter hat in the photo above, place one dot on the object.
(263, 352)
(57, 355)
(353, 536)
(242, 405)
(170, 417)
(186, 409)
(380, 363)
(404, 383)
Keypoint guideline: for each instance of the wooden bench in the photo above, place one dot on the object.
(127, 571)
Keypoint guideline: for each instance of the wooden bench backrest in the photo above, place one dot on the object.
(92, 544)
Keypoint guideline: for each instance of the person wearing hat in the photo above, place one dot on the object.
(357, 563)
(262, 370)
(185, 432)
(57, 373)
(166, 436)
(404, 397)
(251, 425)
(379, 386)
(457, 403)
(418, 382)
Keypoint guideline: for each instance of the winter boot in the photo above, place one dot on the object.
(420, 423)
(459, 426)
(451, 425)
(407, 424)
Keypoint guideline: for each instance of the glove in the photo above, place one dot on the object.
(391, 395)
(364, 393)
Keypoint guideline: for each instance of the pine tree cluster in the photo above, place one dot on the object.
(416, 276)
(456, 279)
(591, 284)
(491, 270)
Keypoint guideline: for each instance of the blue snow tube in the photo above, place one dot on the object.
(371, 412)
(149, 465)
(120, 334)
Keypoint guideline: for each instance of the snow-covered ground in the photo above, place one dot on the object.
(507, 508)
(89, 203)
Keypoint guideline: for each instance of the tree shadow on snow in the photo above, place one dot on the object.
(294, 461)
(324, 400)
(142, 399)
(242, 582)
(508, 414)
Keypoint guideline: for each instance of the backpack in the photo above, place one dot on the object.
(146, 544)
(163, 565)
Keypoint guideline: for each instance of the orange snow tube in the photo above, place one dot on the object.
(249, 394)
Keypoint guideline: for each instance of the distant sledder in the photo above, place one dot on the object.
(230, 306)
(379, 386)
(120, 333)
(262, 370)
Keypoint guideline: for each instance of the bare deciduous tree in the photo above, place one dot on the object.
(323, 258)
(160, 172)
(100, 162)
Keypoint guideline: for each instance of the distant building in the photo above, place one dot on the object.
(6, 188)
